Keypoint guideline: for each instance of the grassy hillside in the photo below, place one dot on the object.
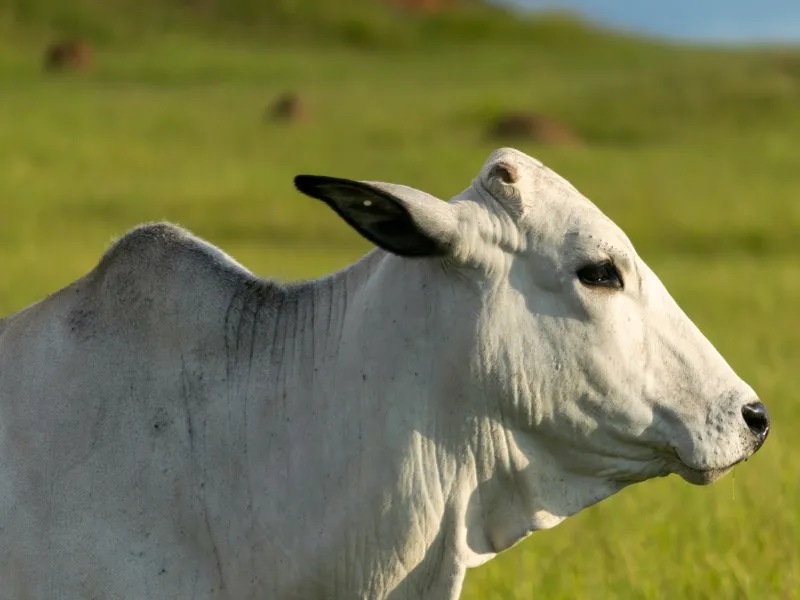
(693, 152)
(365, 23)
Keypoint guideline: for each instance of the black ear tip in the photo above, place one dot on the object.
(316, 185)
(305, 183)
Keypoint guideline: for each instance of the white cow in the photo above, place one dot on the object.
(172, 426)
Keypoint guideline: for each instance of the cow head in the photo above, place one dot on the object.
(597, 377)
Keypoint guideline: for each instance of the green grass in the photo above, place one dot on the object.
(692, 152)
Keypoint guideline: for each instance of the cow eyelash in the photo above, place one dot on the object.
(601, 274)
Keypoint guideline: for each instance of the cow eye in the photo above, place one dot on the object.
(603, 274)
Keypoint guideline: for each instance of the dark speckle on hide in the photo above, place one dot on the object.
(80, 321)
(161, 421)
(97, 427)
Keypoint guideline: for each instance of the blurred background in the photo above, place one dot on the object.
(680, 119)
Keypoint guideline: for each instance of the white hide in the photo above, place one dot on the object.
(172, 426)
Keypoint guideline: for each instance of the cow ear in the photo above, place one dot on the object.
(399, 219)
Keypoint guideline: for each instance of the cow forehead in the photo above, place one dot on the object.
(551, 205)
(537, 183)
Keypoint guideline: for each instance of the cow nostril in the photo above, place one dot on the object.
(757, 419)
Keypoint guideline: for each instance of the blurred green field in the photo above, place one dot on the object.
(693, 152)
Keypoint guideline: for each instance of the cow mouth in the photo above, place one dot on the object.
(700, 476)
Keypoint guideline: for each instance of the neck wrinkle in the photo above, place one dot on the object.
(295, 323)
(532, 491)
(353, 349)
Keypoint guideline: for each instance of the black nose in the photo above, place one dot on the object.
(757, 419)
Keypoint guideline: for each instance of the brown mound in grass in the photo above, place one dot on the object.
(532, 126)
(289, 108)
(68, 55)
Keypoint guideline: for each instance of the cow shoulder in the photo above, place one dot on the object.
(157, 273)
(166, 247)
